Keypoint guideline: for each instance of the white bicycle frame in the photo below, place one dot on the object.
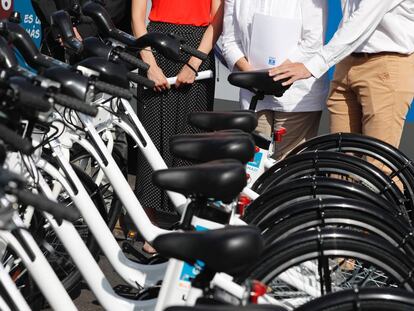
(120, 186)
(119, 183)
(12, 291)
(38, 267)
(171, 290)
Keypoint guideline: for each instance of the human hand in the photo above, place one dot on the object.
(156, 74)
(185, 77)
(291, 71)
(77, 35)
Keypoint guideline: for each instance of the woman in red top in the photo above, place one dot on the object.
(164, 110)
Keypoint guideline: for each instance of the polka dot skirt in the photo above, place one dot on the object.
(165, 114)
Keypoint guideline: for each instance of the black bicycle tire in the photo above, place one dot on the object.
(381, 151)
(366, 299)
(268, 202)
(305, 246)
(321, 161)
(377, 223)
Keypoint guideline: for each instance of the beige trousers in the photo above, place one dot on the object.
(371, 95)
(300, 126)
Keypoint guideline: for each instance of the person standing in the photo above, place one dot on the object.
(300, 109)
(164, 110)
(373, 85)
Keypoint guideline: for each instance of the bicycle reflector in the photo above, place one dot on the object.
(258, 289)
(244, 201)
(279, 133)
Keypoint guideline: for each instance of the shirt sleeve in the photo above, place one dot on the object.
(314, 17)
(353, 32)
(232, 47)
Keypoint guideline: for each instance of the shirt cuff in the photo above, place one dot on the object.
(232, 57)
(317, 66)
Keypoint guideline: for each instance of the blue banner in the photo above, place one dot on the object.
(29, 20)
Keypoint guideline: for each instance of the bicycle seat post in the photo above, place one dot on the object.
(195, 205)
(258, 95)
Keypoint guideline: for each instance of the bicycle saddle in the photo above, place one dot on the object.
(213, 146)
(115, 74)
(222, 180)
(216, 121)
(227, 308)
(223, 250)
(72, 83)
(258, 81)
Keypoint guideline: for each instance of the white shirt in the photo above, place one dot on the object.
(305, 95)
(368, 26)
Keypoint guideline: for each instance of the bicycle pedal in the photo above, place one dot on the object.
(130, 249)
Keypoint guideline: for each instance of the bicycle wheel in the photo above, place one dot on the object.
(346, 213)
(364, 299)
(89, 166)
(335, 165)
(398, 165)
(311, 264)
(316, 187)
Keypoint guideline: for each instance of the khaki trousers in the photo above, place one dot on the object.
(300, 126)
(371, 95)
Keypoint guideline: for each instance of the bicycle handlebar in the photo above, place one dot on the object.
(134, 77)
(193, 52)
(134, 61)
(59, 211)
(75, 104)
(62, 22)
(14, 140)
(112, 90)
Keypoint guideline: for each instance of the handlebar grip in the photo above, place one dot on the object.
(113, 90)
(59, 211)
(133, 61)
(15, 141)
(193, 52)
(75, 104)
(134, 77)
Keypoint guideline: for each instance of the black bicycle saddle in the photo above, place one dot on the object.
(213, 146)
(223, 250)
(222, 180)
(258, 81)
(111, 73)
(217, 121)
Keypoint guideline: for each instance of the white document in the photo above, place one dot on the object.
(273, 39)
